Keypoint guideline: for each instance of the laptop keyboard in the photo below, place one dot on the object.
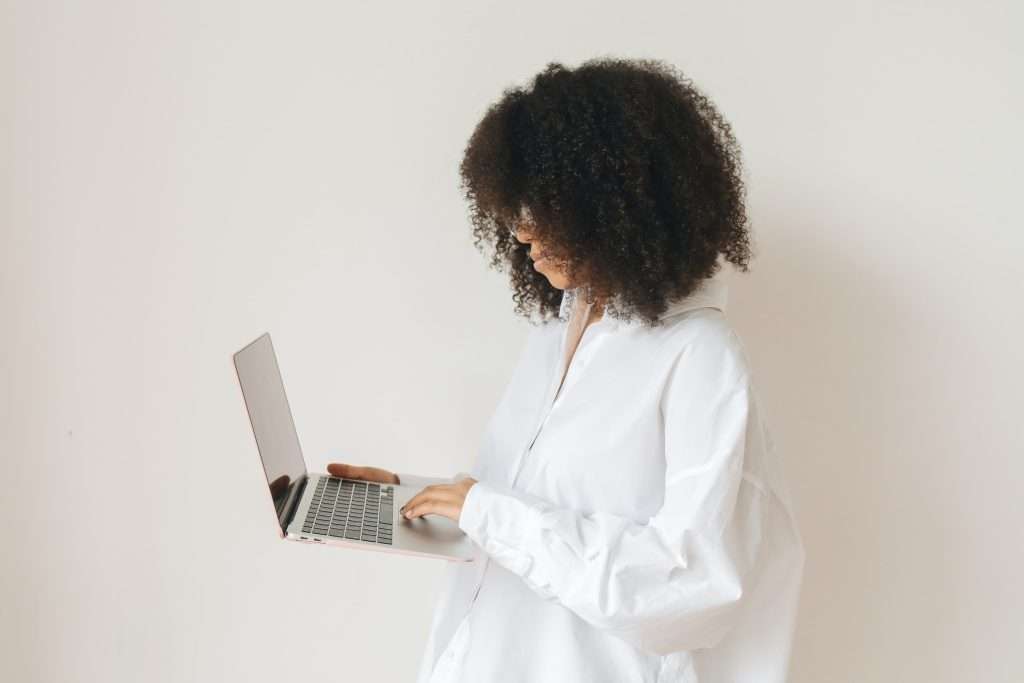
(356, 510)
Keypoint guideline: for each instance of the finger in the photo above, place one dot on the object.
(372, 474)
(417, 510)
(428, 493)
(436, 494)
(346, 471)
(430, 507)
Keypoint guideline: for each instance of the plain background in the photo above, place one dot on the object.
(183, 176)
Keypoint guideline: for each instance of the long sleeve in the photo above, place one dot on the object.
(677, 581)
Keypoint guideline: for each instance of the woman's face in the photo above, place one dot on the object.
(546, 266)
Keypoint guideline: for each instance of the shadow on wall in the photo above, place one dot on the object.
(852, 381)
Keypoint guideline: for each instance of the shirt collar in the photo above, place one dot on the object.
(711, 293)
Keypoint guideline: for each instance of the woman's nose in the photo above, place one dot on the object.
(522, 232)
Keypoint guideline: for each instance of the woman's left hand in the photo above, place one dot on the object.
(439, 499)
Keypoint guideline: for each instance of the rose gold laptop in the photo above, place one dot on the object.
(320, 508)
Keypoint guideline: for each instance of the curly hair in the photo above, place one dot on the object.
(624, 169)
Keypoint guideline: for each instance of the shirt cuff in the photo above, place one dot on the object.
(471, 518)
(494, 516)
(506, 524)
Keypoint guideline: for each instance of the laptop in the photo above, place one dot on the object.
(321, 508)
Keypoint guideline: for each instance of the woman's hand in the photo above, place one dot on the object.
(439, 499)
(344, 471)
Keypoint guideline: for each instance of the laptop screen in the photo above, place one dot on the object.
(272, 423)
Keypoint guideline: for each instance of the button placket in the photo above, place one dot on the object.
(579, 361)
(560, 383)
(517, 466)
(450, 660)
(555, 391)
(513, 472)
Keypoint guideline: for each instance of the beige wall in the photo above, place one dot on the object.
(182, 176)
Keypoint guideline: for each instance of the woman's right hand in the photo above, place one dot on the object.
(345, 471)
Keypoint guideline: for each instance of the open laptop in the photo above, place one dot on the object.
(321, 508)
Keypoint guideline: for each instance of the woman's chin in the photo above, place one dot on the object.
(557, 282)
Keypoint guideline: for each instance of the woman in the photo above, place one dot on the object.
(629, 514)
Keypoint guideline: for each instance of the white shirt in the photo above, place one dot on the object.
(636, 527)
